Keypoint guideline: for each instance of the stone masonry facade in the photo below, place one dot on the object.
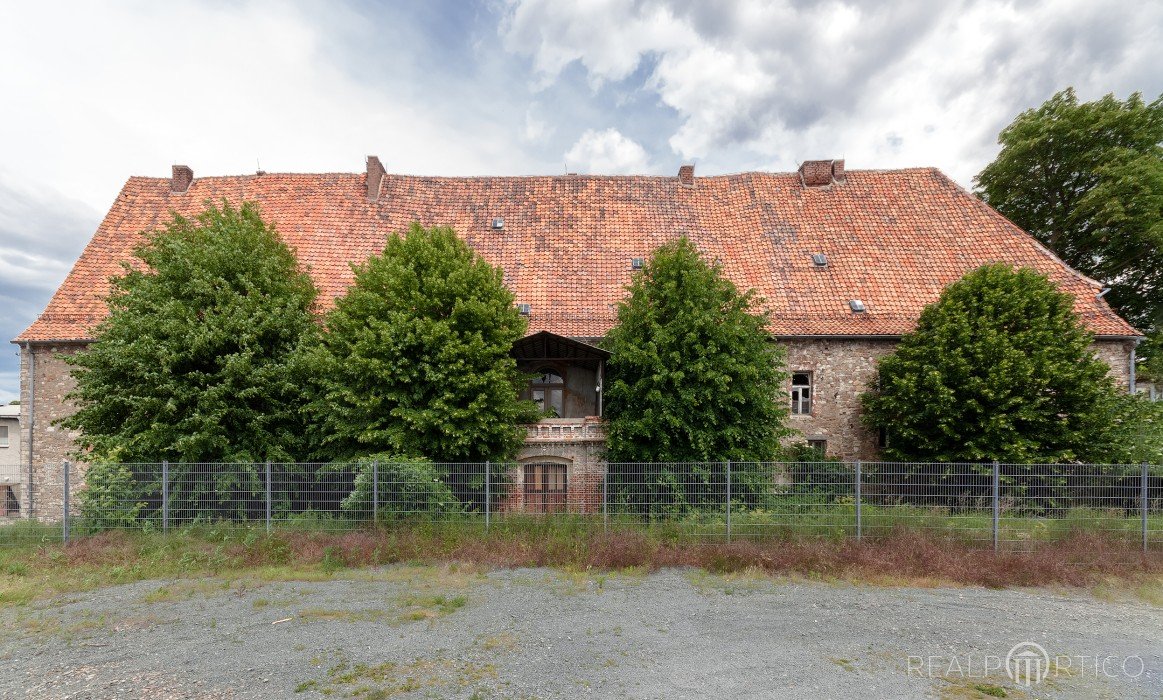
(44, 444)
(841, 368)
(579, 444)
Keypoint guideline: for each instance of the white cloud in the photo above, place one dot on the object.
(911, 83)
(537, 130)
(108, 90)
(607, 152)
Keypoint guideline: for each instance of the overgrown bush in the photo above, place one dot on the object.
(813, 472)
(407, 487)
(111, 498)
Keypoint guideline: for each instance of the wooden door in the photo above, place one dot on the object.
(545, 488)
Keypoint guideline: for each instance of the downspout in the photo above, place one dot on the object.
(601, 384)
(31, 422)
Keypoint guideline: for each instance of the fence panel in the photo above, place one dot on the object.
(952, 500)
(694, 501)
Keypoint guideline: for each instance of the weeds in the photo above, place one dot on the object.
(1112, 565)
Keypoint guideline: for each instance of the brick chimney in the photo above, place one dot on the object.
(686, 175)
(838, 175)
(815, 173)
(375, 175)
(180, 178)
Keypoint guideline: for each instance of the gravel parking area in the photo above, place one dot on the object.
(533, 633)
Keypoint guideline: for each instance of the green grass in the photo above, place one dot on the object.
(807, 517)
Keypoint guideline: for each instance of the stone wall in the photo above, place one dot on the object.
(841, 371)
(42, 490)
(1117, 354)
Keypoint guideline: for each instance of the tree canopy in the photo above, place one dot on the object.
(694, 374)
(998, 368)
(415, 359)
(196, 361)
(1086, 179)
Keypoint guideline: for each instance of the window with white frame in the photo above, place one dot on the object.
(801, 393)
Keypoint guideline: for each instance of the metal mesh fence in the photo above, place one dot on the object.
(1007, 506)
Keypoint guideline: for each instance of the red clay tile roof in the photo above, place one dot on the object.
(893, 239)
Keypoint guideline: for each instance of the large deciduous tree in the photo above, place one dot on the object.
(415, 358)
(196, 361)
(1086, 179)
(999, 368)
(694, 376)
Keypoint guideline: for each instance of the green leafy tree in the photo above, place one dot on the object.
(1086, 179)
(999, 368)
(197, 362)
(694, 377)
(416, 359)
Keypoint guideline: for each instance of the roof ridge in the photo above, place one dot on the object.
(594, 176)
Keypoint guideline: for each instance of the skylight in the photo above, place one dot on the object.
(820, 259)
(856, 305)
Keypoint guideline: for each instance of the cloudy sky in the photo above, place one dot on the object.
(93, 92)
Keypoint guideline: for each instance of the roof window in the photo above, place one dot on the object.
(820, 259)
(857, 306)
(637, 263)
(498, 224)
(525, 309)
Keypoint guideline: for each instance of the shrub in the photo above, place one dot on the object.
(111, 497)
(407, 487)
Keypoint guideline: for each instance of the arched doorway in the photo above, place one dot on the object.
(546, 487)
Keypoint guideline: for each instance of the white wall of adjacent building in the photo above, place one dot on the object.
(9, 457)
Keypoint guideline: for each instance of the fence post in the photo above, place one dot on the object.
(65, 522)
(605, 510)
(268, 469)
(488, 493)
(859, 524)
(996, 501)
(728, 500)
(375, 491)
(165, 495)
(1143, 498)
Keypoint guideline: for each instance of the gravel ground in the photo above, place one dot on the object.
(533, 633)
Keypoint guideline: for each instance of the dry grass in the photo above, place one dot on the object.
(1112, 568)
